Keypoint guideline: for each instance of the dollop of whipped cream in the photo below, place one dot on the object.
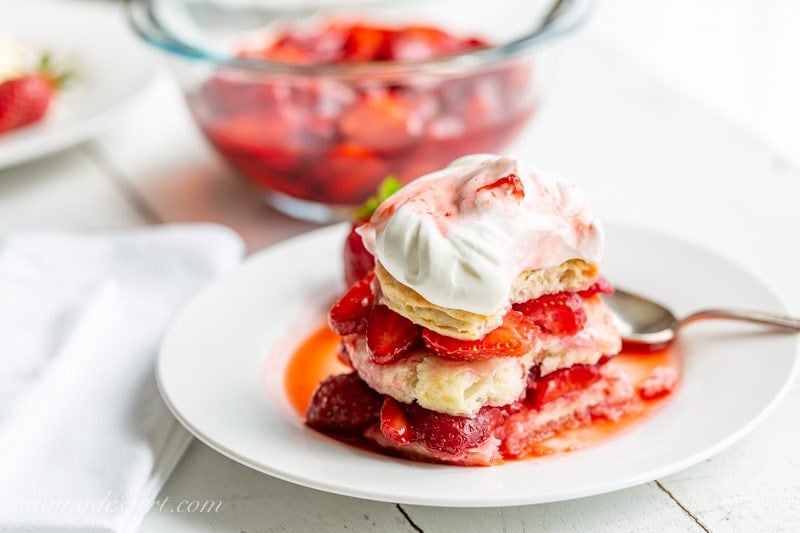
(460, 236)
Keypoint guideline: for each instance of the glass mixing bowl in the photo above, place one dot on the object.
(316, 138)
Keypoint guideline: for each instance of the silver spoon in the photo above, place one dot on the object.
(647, 325)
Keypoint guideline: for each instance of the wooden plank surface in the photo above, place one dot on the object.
(254, 502)
(643, 509)
(753, 486)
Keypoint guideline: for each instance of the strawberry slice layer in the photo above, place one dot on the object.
(390, 335)
(561, 313)
(513, 338)
(410, 423)
(394, 423)
(452, 434)
(349, 314)
(561, 382)
(343, 404)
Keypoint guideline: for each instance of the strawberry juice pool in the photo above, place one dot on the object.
(316, 358)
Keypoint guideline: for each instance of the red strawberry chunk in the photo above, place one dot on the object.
(382, 121)
(601, 286)
(348, 172)
(342, 41)
(394, 423)
(513, 338)
(509, 185)
(358, 262)
(343, 404)
(421, 42)
(561, 382)
(390, 335)
(349, 314)
(365, 43)
(561, 313)
(449, 433)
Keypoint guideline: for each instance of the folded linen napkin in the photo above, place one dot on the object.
(85, 440)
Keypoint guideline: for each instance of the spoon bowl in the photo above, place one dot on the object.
(645, 325)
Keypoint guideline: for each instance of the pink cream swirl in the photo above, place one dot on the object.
(460, 236)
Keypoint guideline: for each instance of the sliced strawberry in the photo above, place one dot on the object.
(449, 433)
(509, 185)
(287, 49)
(513, 338)
(262, 136)
(384, 121)
(561, 313)
(394, 423)
(343, 41)
(343, 404)
(365, 43)
(349, 172)
(561, 382)
(349, 314)
(357, 260)
(389, 335)
(441, 432)
(421, 42)
(601, 286)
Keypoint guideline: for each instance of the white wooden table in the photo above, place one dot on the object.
(643, 154)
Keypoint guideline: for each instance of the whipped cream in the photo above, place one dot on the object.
(460, 236)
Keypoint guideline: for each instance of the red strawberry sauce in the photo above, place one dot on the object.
(316, 358)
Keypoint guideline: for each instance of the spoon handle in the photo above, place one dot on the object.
(757, 317)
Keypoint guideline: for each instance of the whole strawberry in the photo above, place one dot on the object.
(25, 99)
(357, 260)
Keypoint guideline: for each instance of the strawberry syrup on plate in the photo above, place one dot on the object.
(316, 358)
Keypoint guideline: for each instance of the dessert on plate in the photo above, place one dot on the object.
(480, 331)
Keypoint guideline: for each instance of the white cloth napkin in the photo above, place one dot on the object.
(85, 440)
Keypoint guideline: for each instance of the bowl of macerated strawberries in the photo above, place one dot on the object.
(316, 103)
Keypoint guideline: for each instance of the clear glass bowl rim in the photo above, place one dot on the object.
(567, 15)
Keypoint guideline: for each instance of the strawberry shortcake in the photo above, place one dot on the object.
(481, 330)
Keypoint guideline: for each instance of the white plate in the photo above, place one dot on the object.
(222, 364)
(110, 68)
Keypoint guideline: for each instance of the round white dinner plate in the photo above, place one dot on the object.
(108, 66)
(222, 363)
